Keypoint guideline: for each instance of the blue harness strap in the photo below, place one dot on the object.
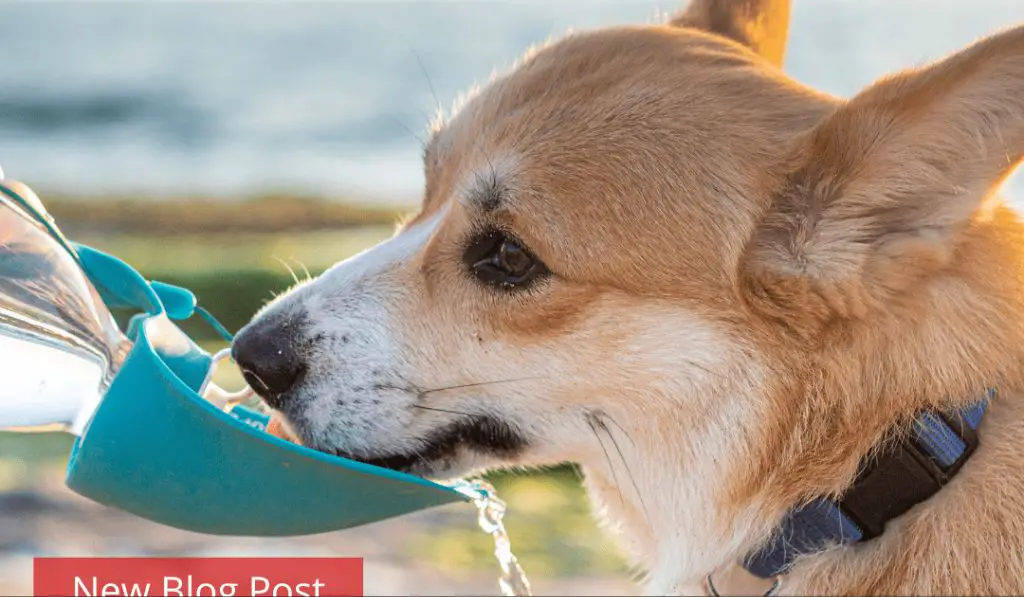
(910, 472)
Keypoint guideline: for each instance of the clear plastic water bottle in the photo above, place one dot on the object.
(59, 344)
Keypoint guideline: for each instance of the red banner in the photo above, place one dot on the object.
(198, 577)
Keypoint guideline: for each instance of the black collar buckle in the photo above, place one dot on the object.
(902, 476)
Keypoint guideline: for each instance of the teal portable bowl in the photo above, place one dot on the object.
(155, 447)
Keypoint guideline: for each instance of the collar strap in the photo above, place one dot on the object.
(906, 474)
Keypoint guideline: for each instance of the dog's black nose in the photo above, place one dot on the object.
(269, 362)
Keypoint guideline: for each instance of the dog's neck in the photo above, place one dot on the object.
(936, 547)
(681, 520)
(675, 535)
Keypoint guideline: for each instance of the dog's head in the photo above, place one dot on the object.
(636, 241)
(573, 259)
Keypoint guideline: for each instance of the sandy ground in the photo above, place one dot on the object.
(43, 518)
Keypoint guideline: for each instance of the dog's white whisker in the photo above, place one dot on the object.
(287, 267)
(305, 270)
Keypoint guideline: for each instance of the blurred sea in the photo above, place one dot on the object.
(235, 98)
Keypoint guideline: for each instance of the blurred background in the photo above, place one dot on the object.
(218, 145)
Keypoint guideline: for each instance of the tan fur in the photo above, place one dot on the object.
(753, 280)
(761, 25)
(870, 249)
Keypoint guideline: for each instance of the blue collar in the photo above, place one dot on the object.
(907, 474)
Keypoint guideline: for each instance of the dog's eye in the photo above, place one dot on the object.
(497, 259)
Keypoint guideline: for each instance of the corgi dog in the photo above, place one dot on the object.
(750, 311)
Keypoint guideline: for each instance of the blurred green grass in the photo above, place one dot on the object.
(234, 273)
(171, 216)
(275, 252)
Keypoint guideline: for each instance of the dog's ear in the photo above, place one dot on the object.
(761, 25)
(877, 195)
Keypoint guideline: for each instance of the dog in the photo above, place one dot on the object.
(648, 251)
